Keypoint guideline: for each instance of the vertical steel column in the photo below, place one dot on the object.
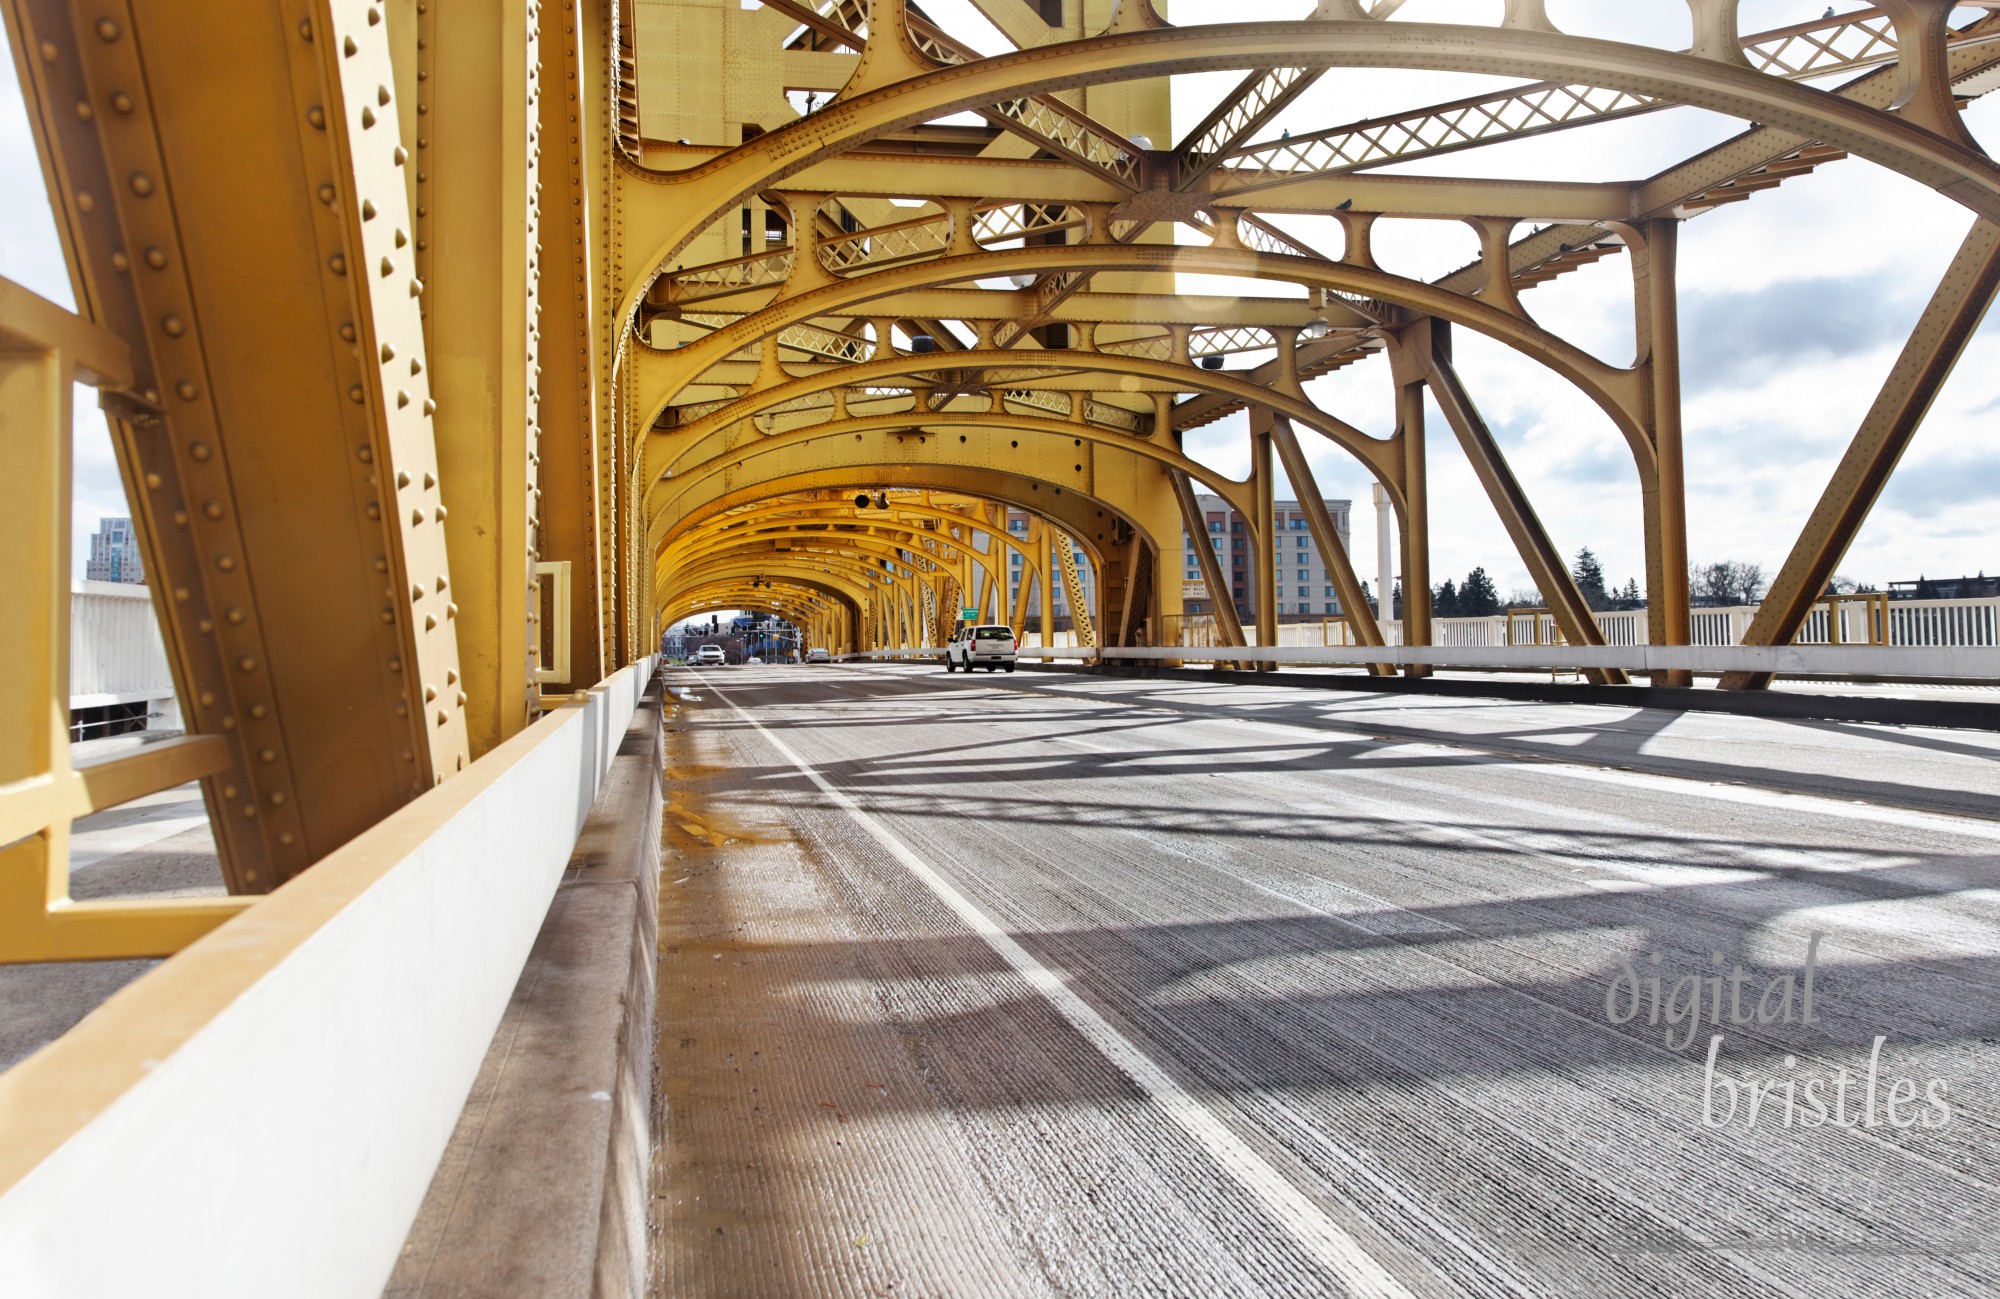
(1664, 490)
(1327, 537)
(1517, 513)
(1211, 567)
(1019, 617)
(1047, 537)
(1385, 564)
(478, 237)
(570, 172)
(1416, 539)
(1264, 544)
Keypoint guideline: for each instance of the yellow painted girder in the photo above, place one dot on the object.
(1612, 389)
(690, 200)
(679, 477)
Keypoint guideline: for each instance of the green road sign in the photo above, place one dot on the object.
(968, 615)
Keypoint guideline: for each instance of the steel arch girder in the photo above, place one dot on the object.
(1153, 448)
(777, 515)
(689, 201)
(839, 580)
(864, 557)
(1115, 486)
(731, 581)
(865, 550)
(1079, 514)
(692, 545)
(828, 510)
(773, 563)
(1618, 392)
(714, 594)
(788, 513)
(745, 572)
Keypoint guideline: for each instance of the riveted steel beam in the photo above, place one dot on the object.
(480, 241)
(1326, 537)
(1837, 44)
(264, 463)
(575, 192)
(1927, 360)
(709, 189)
(1517, 513)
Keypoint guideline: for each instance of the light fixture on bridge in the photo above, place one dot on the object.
(1211, 362)
(1318, 326)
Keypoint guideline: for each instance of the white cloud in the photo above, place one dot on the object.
(1856, 248)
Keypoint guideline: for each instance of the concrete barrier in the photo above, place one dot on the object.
(262, 1114)
(542, 1191)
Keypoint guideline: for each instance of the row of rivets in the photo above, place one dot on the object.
(394, 339)
(143, 184)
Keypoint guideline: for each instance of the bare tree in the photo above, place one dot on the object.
(1727, 582)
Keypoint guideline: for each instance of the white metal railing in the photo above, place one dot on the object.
(1944, 622)
(1529, 638)
(116, 653)
(1973, 623)
(1941, 662)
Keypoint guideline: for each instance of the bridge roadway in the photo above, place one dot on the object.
(1049, 984)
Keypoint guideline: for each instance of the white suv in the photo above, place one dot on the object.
(709, 656)
(981, 647)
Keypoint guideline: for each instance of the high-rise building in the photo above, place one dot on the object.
(1305, 588)
(114, 553)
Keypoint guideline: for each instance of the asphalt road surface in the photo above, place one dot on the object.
(1047, 984)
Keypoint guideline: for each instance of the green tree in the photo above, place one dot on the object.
(1628, 596)
(1444, 600)
(1589, 577)
(1478, 598)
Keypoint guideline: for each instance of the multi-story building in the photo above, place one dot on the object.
(1017, 526)
(114, 553)
(1305, 588)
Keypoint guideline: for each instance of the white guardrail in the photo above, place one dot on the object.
(262, 1114)
(1971, 662)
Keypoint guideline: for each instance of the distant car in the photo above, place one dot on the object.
(818, 654)
(981, 647)
(754, 661)
(709, 656)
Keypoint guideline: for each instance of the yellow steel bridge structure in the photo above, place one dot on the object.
(453, 351)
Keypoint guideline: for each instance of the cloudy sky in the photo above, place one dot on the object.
(1793, 308)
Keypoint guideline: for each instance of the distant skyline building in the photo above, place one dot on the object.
(114, 553)
(1305, 588)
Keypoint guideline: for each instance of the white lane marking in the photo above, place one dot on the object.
(1318, 1235)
